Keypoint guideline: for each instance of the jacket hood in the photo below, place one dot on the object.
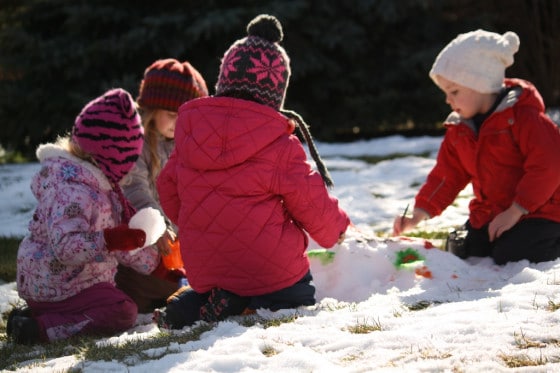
(62, 163)
(220, 132)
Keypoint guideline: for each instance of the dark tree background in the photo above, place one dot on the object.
(359, 67)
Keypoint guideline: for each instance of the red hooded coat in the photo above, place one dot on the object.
(241, 191)
(514, 158)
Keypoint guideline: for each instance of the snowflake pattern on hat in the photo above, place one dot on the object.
(266, 68)
(258, 66)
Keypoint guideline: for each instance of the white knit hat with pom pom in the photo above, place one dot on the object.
(477, 60)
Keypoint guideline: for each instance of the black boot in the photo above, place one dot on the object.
(21, 311)
(456, 241)
(25, 330)
(222, 304)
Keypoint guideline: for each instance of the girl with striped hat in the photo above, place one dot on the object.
(79, 232)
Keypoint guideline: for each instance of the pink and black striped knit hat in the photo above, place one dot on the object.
(109, 128)
(168, 83)
(257, 65)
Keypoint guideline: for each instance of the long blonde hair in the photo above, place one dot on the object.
(151, 137)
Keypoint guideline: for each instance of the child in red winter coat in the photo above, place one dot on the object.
(242, 193)
(499, 139)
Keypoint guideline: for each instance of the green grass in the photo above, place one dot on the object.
(437, 235)
(88, 348)
(8, 157)
(8, 254)
(365, 327)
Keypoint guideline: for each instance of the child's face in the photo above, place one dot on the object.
(165, 123)
(465, 101)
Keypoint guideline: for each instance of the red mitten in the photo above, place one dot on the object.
(124, 238)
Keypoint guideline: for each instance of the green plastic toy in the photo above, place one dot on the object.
(324, 255)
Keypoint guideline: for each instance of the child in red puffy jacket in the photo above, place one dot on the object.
(242, 193)
(499, 139)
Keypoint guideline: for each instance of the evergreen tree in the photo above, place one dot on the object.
(359, 67)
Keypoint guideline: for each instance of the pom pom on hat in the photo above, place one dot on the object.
(168, 83)
(477, 60)
(257, 65)
(109, 129)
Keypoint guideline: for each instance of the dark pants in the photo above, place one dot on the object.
(147, 291)
(184, 308)
(536, 240)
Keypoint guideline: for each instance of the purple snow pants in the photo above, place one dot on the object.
(99, 310)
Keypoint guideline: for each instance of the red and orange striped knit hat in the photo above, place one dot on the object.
(168, 83)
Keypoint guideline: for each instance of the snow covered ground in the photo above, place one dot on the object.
(441, 314)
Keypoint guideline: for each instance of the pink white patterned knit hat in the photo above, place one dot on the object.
(109, 128)
(257, 65)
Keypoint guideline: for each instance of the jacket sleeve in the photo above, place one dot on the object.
(136, 185)
(144, 260)
(70, 225)
(72, 239)
(306, 197)
(446, 180)
(539, 142)
(167, 189)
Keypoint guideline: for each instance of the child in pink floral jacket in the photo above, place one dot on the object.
(79, 233)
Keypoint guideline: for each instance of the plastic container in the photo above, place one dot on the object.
(173, 260)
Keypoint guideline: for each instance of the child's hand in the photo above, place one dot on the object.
(504, 221)
(124, 238)
(163, 243)
(341, 238)
(402, 224)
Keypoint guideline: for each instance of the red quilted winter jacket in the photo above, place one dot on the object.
(242, 193)
(514, 158)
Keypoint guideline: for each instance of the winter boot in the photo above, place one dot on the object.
(25, 330)
(456, 241)
(22, 311)
(158, 317)
(177, 294)
(222, 304)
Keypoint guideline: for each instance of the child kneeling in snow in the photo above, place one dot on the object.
(500, 140)
(79, 231)
(242, 192)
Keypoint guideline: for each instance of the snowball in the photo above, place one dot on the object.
(150, 221)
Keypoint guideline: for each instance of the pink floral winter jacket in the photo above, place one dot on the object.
(64, 252)
(243, 195)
